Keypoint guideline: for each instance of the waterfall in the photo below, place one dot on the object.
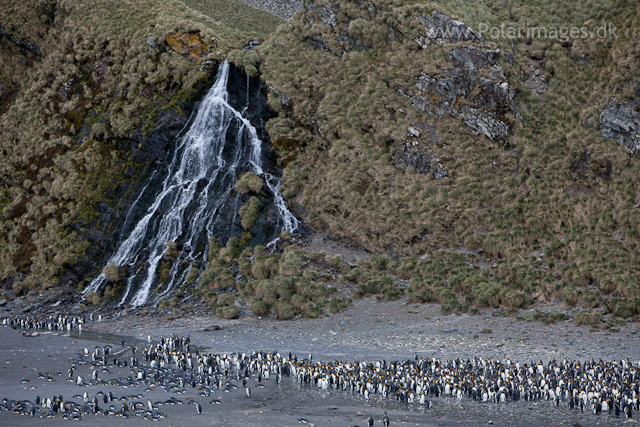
(196, 198)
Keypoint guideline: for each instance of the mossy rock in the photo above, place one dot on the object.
(189, 45)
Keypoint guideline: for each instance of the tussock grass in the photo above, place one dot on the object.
(249, 182)
(230, 312)
(226, 299)
(249, 212)
(259, 307)
(93, 298)
(336, 305)
(587, 318)
(111, 272)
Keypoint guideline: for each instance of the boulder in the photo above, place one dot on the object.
(620, 121)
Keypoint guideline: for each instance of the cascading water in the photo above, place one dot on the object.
(196, 198)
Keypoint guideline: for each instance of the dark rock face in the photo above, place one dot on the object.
(29, 48)
(475, 91)
(621, 121)
(148, 151)
(417, 151)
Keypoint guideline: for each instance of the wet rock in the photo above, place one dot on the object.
(3, 302)
(620, 121)
(28, 48)
(213, 328)
(317, 42)
(251, 44)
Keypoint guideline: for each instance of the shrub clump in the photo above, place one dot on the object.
(249, 212)
(587, 318)
(228, 312)
(336, 305)
(191, 275)
(227, 299)
(216, 277)
(486, 295)
(93, 298)
(624, 307)
(290, 263)
(249, 182)
(264, 266)
(284, 311)
(111, 273)
(259, 307)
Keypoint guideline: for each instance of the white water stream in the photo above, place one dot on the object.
(197, 190)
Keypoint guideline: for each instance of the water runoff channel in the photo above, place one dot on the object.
(196, 198)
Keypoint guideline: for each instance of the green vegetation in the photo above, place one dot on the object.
(111, 272)
(245, 19)
(249, 182)
(249, 212)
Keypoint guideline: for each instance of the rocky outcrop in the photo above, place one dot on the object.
(475, 90)
(190, 45)
(326, 14)
(620, 121)
(439, 29)
(417, 151)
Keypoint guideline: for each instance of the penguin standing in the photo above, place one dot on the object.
(198, 408)
(385, 419)
(247, 391)
(370, 421)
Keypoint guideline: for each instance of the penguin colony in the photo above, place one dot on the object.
(173, 365)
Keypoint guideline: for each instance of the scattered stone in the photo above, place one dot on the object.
(3, 302)
(152, 43)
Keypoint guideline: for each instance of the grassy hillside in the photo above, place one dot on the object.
(372, 154)
(551, 213)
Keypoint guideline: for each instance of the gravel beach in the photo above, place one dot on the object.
(370, 330)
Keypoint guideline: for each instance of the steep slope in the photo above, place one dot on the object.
(483, 154)
(486, 167)
(92, 93)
